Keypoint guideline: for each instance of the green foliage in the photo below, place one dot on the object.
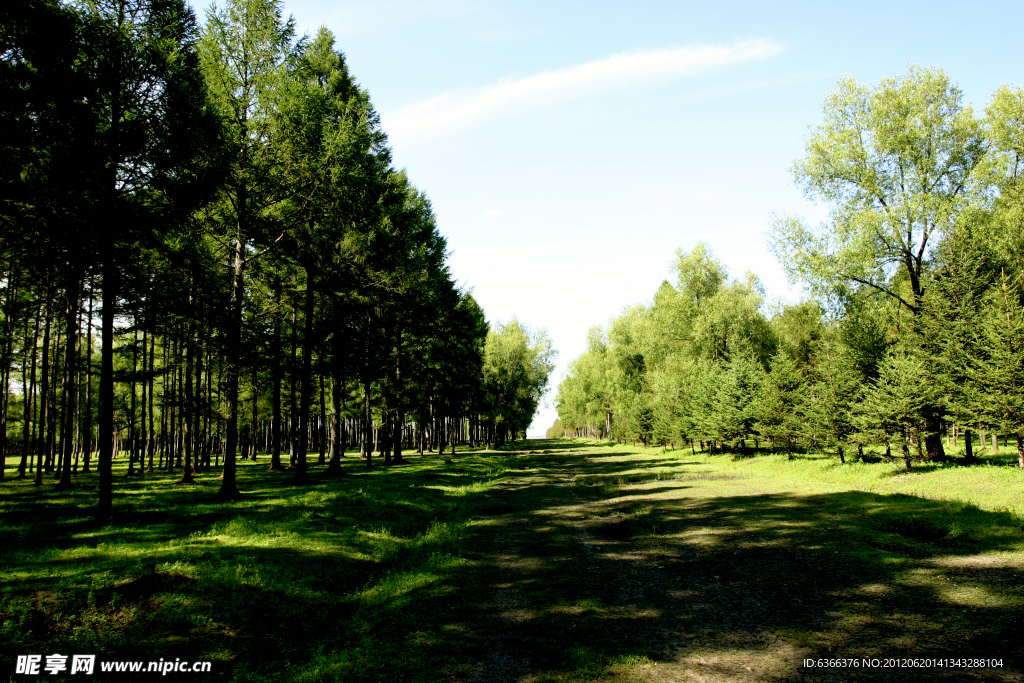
(779, 403)
(686, 367)
(896, 162)
(517, 363)
(832, 398)
(893, 408)
(1000, 365)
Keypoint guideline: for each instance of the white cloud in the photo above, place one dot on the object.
(495, 213)
(451, 110)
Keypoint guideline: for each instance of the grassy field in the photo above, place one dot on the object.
(559, 561)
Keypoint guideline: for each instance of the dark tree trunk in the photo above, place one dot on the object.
(969, 446)
(301, 474)
(275, 421)
(111, 286)
(8, 348)
(367, 424)
(188, 433)
(293, 411)
(44, 391)
(144, 432)
(337, 426)
(87, 427)
(28, 393)
(69, 395)
(232, 351)
(132, 417)
(255, 405)
(322, 426)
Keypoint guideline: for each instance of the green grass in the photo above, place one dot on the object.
(264, 587)
(562, 560)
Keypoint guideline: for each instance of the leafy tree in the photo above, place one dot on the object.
(832, 395)
(897, 163)
(779, 402)
(246, 50)
(1000, 367)
(954, 309)
(585, 397)
(517, 363)
(893, 405)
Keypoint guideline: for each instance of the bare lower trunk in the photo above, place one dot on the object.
(337, 436)
(367, 442)
(301, 474)
(275, 422)
(229, 483)
(968, 446)
(188, 435)
(69, 394)
(111, 280)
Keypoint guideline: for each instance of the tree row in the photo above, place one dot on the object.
(912, 329)
(207, 253)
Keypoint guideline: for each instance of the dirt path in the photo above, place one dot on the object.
(663, 581)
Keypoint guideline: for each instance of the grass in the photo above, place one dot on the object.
(560, 561)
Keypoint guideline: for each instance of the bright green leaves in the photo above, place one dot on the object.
(896, 163)
(517, 363)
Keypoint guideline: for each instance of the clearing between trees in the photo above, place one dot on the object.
(562, 560)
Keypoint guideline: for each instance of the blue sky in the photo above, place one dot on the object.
(570, 148)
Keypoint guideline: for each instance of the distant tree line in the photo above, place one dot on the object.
(912, 332)
(205, 252)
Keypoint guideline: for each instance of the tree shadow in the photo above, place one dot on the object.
(379, 577)
(764, 580)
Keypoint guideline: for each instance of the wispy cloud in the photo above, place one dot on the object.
(452, 110)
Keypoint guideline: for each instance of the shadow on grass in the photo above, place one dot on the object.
(379, 577)
(617, 576)
(258, 586)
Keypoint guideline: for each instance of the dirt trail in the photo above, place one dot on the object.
(662, 582)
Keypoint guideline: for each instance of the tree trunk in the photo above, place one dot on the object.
(111, 286)
(301, 475)
(132, 418)
(44, 392)
(8, 348)
(322, 426)
(187, 433)
(69, 395)
(366, 420)
(337, 433)
(293, 411)
(28, 388)
(232, 351)
(275, 422)
(152, 395)
(969, 446)
(144, 432)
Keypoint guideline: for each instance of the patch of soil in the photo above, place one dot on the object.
(148, 585)
(618, 531)
(495, 510)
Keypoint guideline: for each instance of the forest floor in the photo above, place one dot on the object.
(564, 560)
